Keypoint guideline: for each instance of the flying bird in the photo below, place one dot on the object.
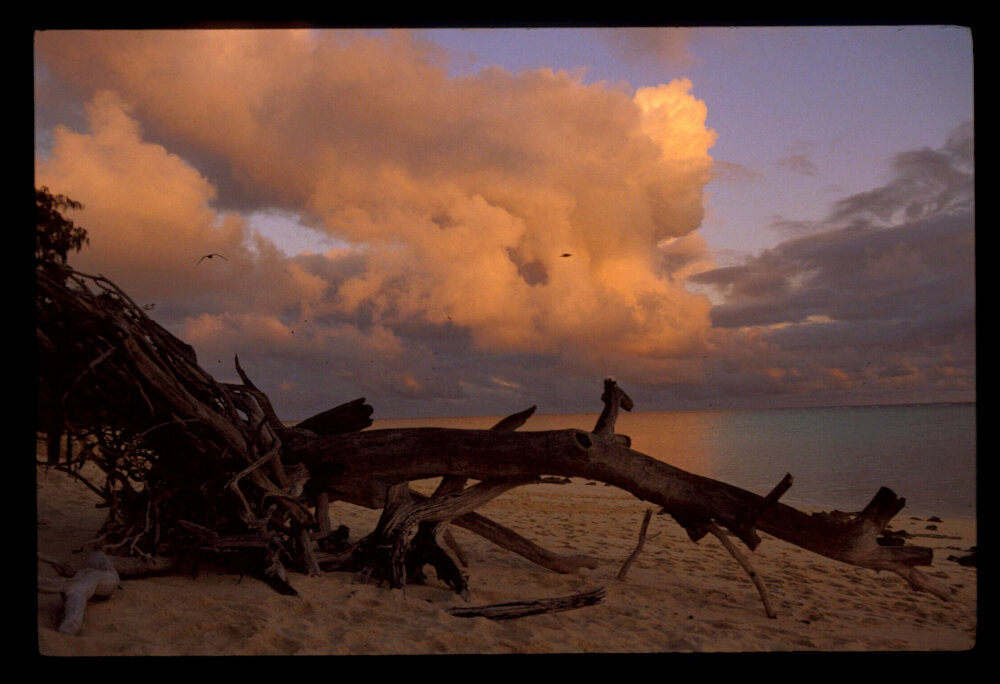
(565, 254)
(211, 256)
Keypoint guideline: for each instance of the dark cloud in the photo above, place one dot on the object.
(798, 163)
(790, 227)
(879, 296)
(926, 182)
(731, 172)
(658, 45)
(907, 271)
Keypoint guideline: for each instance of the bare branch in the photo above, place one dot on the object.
(638, 547)
(520, 609)
(745, 563)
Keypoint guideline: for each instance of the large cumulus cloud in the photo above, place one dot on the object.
(453, 203)
(455, 200)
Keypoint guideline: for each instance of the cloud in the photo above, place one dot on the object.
(926, 182)
(888, 274)
(454, 199)
(451, 202)
(147, 211)
(792, 227)
(798, 163)
(659, 45)
(731, 172)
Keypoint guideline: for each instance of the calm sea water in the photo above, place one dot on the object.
(839, 457)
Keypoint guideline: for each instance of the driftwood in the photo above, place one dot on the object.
(447, 559)
(343, 462)
(192, 463)
(97, 577)
(614, 397)
(512, 541)
(638, 547)
(744, 562)
(520, 609)
(387, 552)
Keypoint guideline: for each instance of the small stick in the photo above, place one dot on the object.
(638, 547)
(452, 543)
(323, 511)
(519, 609)
(921, 582)
(745, 562)
(312, 565)
(273, 451)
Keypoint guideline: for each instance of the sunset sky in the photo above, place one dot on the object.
(468, 222)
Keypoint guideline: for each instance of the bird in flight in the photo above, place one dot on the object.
(565, 254)
(211, 256)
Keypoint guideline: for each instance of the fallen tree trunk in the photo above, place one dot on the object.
(375, 493)
(340, 463)
(192, 463)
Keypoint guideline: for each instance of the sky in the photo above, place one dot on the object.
(473, 221)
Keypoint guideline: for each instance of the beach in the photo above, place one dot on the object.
(678, 596)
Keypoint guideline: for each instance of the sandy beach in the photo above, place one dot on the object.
(679, 596)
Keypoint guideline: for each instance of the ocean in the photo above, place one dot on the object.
(838, 456)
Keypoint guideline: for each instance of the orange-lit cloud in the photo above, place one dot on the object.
(457, 196)
(149, 209)
(496, 233)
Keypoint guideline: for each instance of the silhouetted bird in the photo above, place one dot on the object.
(567, 254)
(211, 256)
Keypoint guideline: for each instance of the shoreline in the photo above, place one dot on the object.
(679, 596)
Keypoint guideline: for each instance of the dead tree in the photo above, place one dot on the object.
(193, 464)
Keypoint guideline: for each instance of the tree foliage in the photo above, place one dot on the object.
(56, 235)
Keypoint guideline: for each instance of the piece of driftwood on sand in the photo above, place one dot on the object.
(196, 465)
(98, 577)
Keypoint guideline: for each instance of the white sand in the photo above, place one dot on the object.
(678, 596)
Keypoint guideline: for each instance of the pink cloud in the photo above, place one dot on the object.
(456, 196)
